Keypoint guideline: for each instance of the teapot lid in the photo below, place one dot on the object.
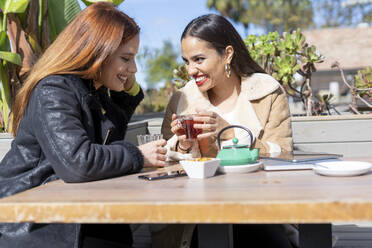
(235, 144)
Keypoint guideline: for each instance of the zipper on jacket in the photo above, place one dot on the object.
(107, 136)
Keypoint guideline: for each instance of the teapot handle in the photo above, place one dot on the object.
(233, 126)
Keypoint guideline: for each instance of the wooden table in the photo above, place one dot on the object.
(261, 197)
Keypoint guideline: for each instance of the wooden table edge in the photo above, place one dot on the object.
(227, 212)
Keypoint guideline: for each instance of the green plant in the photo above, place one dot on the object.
(159, 64)
(282, 56)
(323, 104)
(156, 100)
(27, 29)
(6, 57)
(361, 87)
(363, 81)
(180, 76)
(269, 14)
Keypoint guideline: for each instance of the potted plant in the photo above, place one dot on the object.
(361, 87)
(290, 60)
(286, 57)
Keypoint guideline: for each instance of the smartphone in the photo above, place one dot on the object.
(163, 175)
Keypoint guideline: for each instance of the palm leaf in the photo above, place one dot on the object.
(4, 41)
(60, 13)
(13, 6)
(5, 96)
(11, 57)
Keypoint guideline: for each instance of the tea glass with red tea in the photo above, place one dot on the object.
(187, 122)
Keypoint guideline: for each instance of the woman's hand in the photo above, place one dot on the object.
(130, 82)
(208, 122)
(211, 124)
(154, 153)
(177, 129)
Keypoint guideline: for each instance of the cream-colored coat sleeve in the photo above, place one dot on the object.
(273, 112)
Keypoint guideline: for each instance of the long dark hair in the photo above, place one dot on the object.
(220, 33)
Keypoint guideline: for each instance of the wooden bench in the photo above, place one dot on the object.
(349, 135)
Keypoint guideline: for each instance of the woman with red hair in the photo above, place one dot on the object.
(69, 123)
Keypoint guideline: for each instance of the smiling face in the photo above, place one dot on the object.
(120, 66)
(203, 63)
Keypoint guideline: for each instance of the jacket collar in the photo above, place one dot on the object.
(258, 85)
(253, 87)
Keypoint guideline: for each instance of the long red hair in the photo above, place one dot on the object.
(80, 49)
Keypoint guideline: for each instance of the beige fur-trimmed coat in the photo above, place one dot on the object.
(262, 106)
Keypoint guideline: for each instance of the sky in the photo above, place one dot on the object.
(162, 20)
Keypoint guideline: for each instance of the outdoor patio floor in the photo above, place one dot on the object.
(347, 236)
(354, 236)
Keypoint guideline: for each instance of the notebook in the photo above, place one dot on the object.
(296, 160)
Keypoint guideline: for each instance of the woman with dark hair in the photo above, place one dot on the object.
(69, 122)
(228, 88)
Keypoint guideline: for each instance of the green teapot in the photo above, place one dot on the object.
(236, 154)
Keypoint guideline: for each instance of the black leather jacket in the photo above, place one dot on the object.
(61, 135)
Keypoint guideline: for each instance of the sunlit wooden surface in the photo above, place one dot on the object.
(260, 197)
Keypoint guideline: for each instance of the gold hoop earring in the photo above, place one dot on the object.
(228, 70)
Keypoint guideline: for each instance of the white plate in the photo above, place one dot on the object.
(239, 168)
(342, 168)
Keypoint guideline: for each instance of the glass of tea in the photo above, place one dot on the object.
(187, 122)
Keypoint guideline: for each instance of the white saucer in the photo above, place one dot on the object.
(342, 168)
(239, 168)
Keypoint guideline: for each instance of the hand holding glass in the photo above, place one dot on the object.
(187, 123)
(153, 150)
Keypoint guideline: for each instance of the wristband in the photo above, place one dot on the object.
(134, 90)
(183, 149)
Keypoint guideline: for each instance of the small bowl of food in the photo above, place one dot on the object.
(200, 167)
